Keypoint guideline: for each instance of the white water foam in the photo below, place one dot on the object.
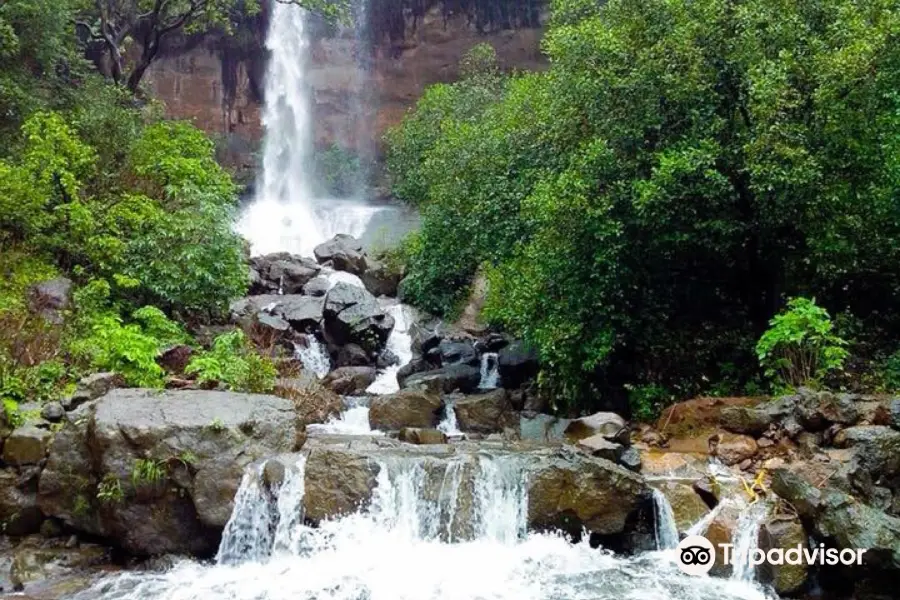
(353, 421)
(490, 371)
(449, 424)
(746, 538)
(314, 356)
(399, 343)
(666, 530)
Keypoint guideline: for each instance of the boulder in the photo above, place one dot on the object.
(406, 408)
(338, 481)
(352, 315)
(453, 378)
(302, 313)
(50, 298)
(313, 403)
(816, 411)
(746, 420)
(608, 424)
(352, 355)
(54, 570)
(598, 445)
(569, 491)
(175, 358)
(380, 279)
(19, 512)
(486, 413)
(457, 352)
(92, 387)
(687, 506)
(343, 253)
(517, 364)
(877, 448)
(53, 412)
(26, 445)
(837, 516)
(317, 286)
(155, 472)
(416, 365)
(415, 435)
(631, 459)
(282, 273)
(349, 381)
(733, 448)
(538, 427)
(784, 532)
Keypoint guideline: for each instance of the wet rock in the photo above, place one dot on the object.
(598, 445)
(34, 563)
(26, 445)
(176, 358)
(746, 420)
(453, 378)
(486, 413)
(733, 449)
(416, 365)
(687, 506)
(189, 449)
(352, 355)
(270, 325)
(457, 352)
(406, 408)
(313, 403)
(273, 474)
(709, 490)
(517, 364)
(283, 273)
(92, 387)
(542, 428)
(303, 313)
(344, 253)
(51, 528)
(841, 518)
(608, 424)
(721, 531)
(415, 435)
(349, 381)
(19, 512)
(317, 286)
(380, 279)
(50, 298)
(570, 491)
(53, 412)
(352, 315)
(631, 459)
(338, 481)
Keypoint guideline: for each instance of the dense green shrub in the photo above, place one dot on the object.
(800, 346)
(646, 205)
(235, 363)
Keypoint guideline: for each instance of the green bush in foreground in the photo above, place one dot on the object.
(235, 363)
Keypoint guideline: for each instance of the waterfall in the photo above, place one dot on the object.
(284, 215)
(433, 530)
(314, 356)
(354, 420)
(665, 531)
(399, 343)
(490, 374)
(746, 538)
(449, 425)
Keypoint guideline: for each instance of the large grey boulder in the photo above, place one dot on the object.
(352, 315)
(877, 448)
(486, 413)
(155, 472)
(282, 272)
(302, 313)
(453, 378)
(517, 364)
(19, 512)
(349, 381)
(343, 253)
(380, 279)
(26, 445)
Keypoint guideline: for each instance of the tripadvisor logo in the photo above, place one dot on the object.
(696, 555)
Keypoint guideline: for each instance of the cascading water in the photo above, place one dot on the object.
(490, 371)
(449, 425)
(285, 215)
(399, 548)
(746, 538)
(399, 343)
(353, 421)
(314, 356)
(666, 531)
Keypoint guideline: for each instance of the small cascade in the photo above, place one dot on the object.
(700, 527)
(665, 531)
(746, 538)
(490, 372)
(501, 499)
(353, 421)
(314, 356)
(449, 425)
(399, 343)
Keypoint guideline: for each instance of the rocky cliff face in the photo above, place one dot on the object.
(359, 88)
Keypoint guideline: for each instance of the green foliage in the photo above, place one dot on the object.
(339, 171)
(235, 363)
(147, 471)
(109, 490)
(890, 372)
(648, 401)
(11, 413)
(644, 206)
(800, 346)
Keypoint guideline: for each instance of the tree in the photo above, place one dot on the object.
(647, 204)
(114, 24)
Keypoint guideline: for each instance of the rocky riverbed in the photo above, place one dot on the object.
(111, 478)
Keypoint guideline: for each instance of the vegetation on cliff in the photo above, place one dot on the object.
(648, 204)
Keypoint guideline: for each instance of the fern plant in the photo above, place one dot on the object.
(234, 363)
